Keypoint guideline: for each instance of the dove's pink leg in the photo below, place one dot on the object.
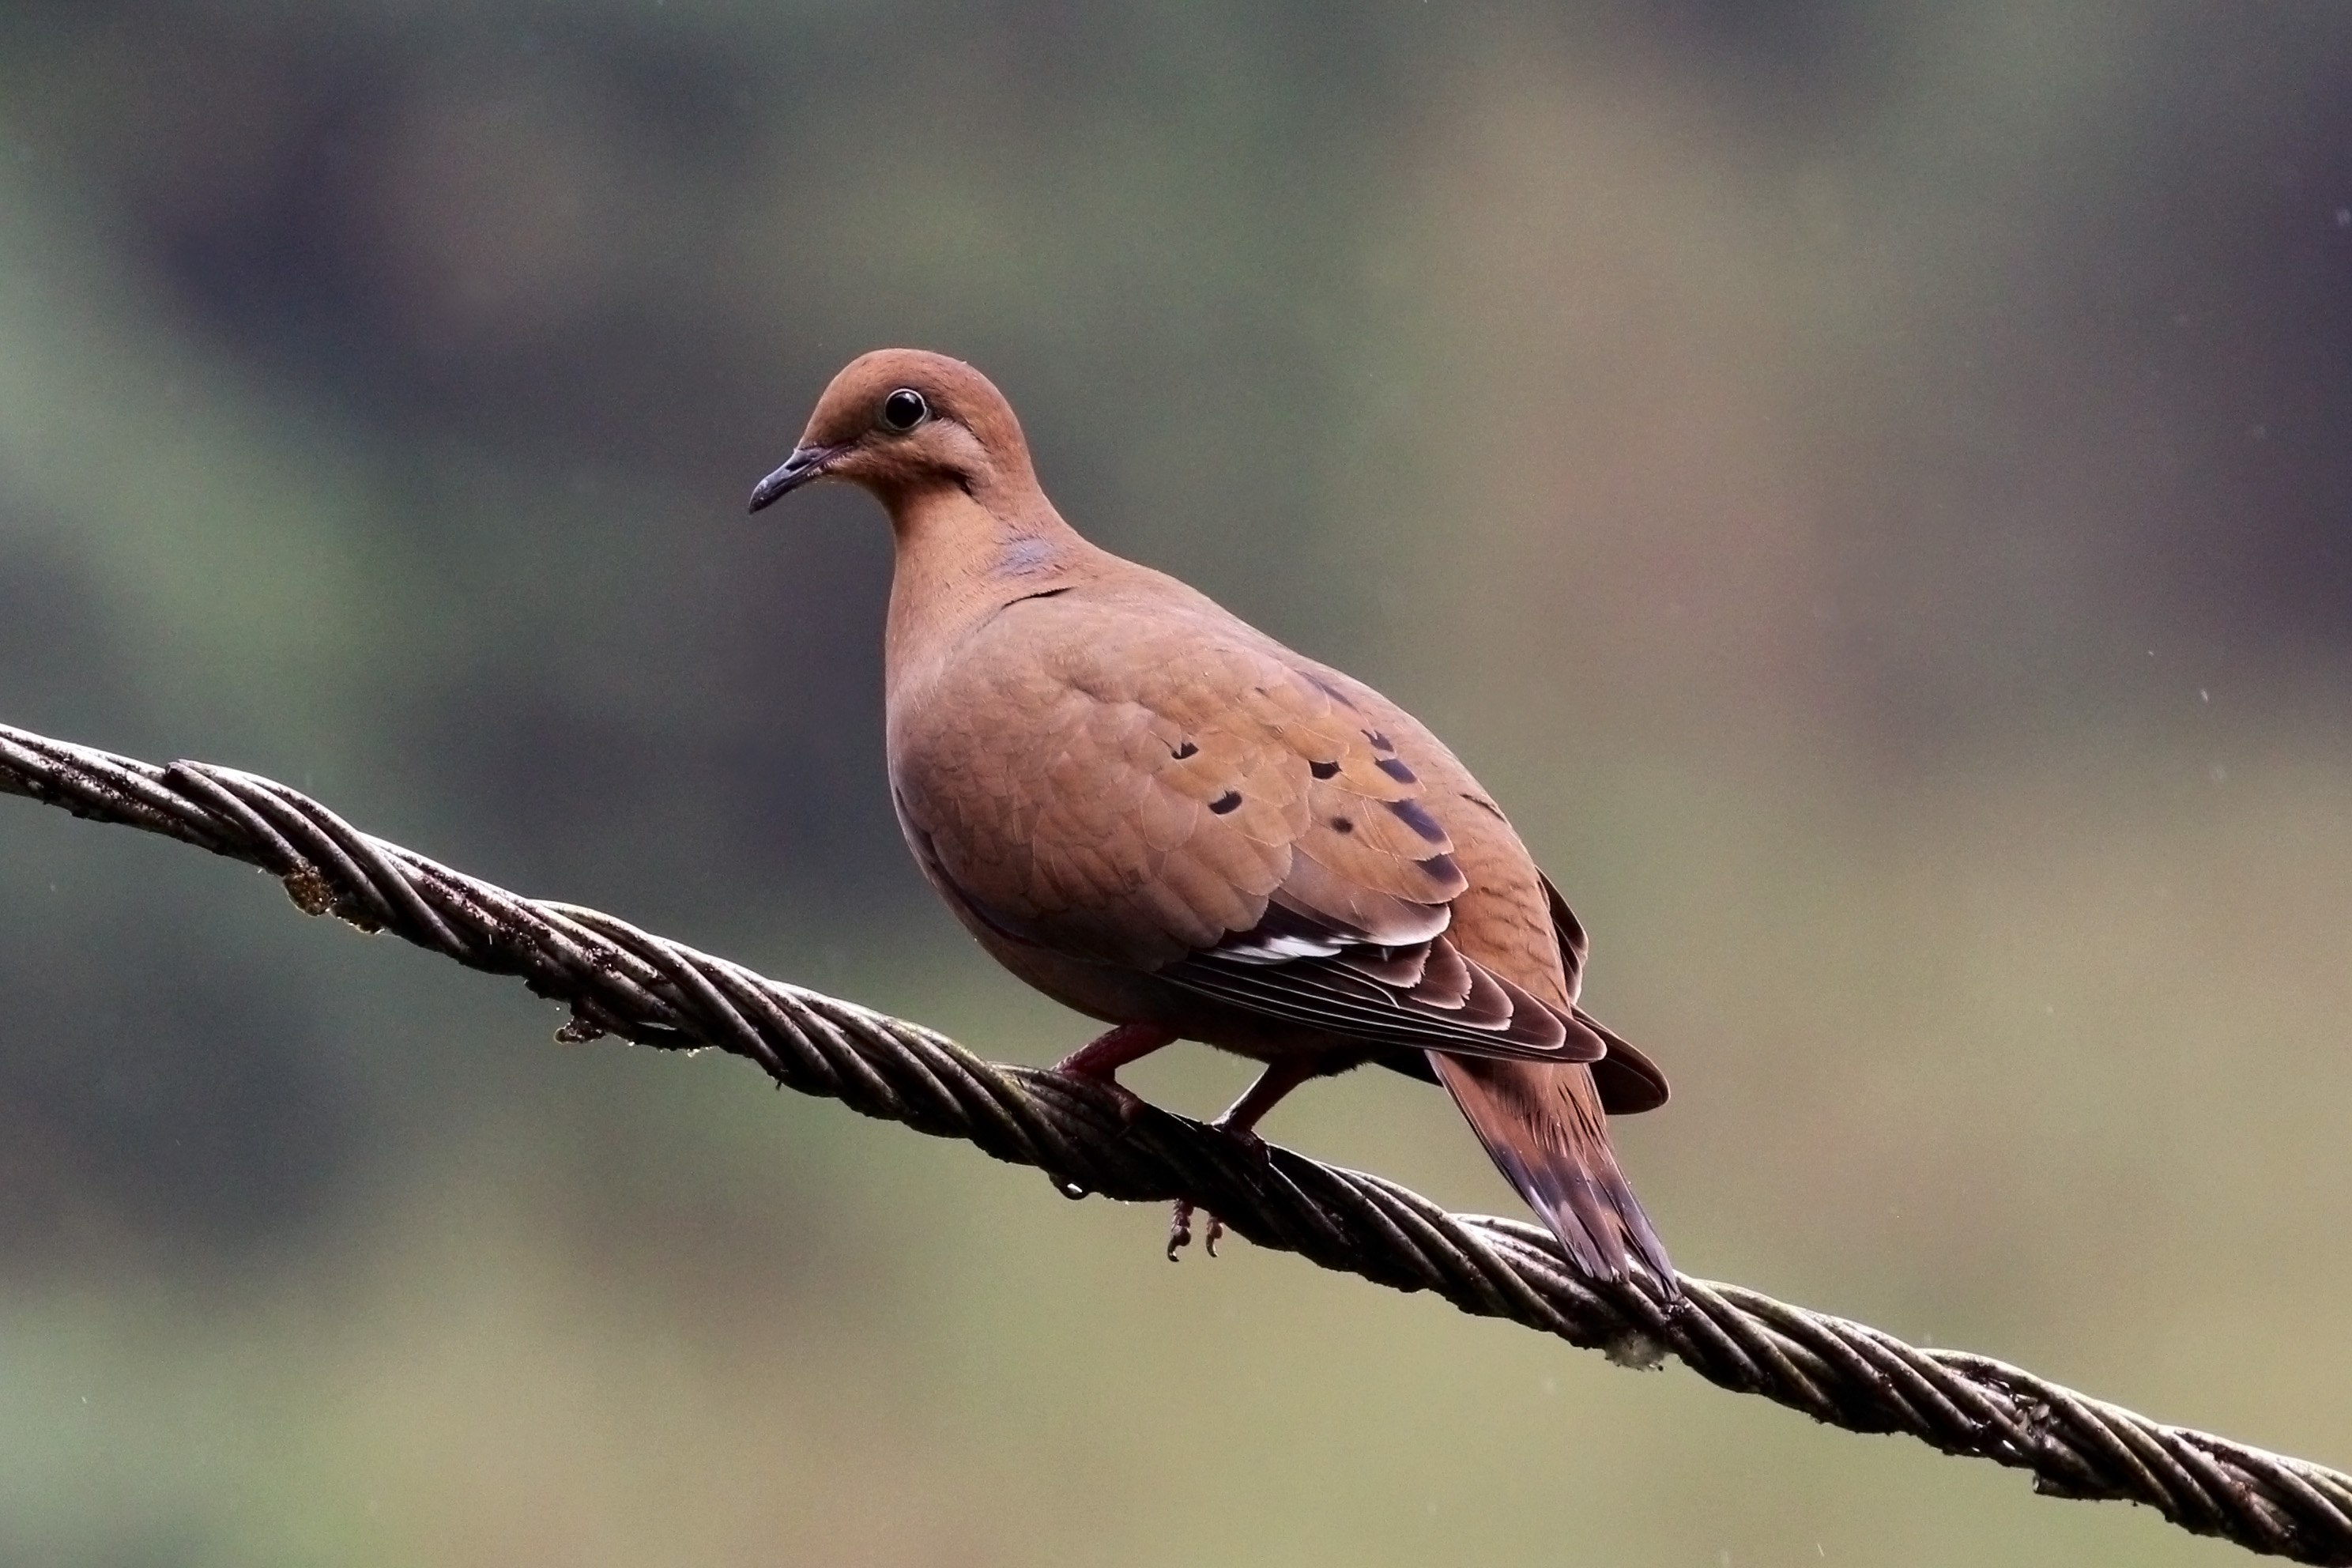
(1280, 1077)
(1241, 1118)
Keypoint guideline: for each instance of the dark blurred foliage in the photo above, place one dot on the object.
(1867, 483)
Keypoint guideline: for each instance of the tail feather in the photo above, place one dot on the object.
(1545, 1128)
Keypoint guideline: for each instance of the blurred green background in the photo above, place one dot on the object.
(1869, 485)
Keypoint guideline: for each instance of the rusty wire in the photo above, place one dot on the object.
(619, 980)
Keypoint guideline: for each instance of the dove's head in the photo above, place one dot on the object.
(901, 421)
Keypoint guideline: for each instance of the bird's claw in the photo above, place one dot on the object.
(1180, 1229)
(1179, 1223)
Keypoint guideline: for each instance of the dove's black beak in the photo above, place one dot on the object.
(806, 464)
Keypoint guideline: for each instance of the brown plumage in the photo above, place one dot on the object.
(1162, 818)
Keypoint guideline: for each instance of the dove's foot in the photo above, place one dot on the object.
(1179, 1223)
(1099, 1059)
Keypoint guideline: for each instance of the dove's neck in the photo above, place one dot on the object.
(961, 559)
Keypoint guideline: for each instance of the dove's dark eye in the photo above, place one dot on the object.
(903, 410)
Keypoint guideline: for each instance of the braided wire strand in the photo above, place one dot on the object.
(619, 980)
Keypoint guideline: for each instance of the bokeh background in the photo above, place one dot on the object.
(1868, 484)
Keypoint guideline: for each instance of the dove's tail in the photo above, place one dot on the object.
(1545, 1127)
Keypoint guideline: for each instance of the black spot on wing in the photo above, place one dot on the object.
(1186, 750)
(1395, 768)
(1230, 801)
(1380, 743)
(1440, 867)
(1343, 825)
(1324, 770)
(1412, 815)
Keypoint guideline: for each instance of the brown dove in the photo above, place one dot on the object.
(1160, 817)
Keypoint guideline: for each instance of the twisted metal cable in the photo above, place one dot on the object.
(619, 980)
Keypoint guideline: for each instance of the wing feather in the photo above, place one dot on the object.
(1209, 810)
